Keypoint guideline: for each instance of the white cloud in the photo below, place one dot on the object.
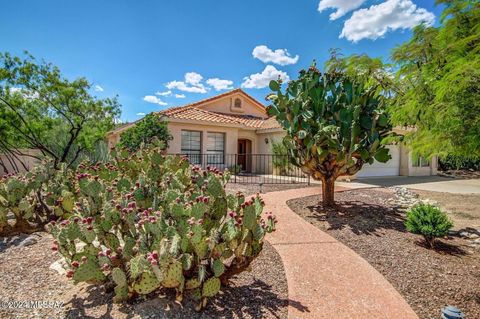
(219, 84)
(166, 93)
(342, 7)
(180, 96)
(98, 88)
(193, 78)
(374, 22)
(28, 94)
(141, 114)
(182, 86)
(279, 56)
(192, 84)
(261, 80)
(153, 99)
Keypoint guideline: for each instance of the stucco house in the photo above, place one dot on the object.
(233, 128)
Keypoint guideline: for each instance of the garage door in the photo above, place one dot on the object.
(390, 168)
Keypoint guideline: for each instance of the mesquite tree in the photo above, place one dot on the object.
(334, 124)
(42, 110)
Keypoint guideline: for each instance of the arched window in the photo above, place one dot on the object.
(238, 103)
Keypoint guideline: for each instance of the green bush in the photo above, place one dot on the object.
(146, 221)
(144, 132)
(428, 221)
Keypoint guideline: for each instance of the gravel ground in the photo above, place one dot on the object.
(25, 276)
(462, 208)
(428, 280)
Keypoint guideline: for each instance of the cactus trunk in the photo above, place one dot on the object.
(328, 191)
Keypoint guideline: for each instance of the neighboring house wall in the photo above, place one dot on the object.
(113, 137)
(413, 168)
(390, 168)
(11, 164)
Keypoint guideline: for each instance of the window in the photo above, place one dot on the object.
(238, 103)
(420, 161)
(192, 146)
(215, 148)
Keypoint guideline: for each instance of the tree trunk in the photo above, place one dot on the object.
(328, 191)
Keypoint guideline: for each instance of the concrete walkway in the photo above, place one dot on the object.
(326, 279)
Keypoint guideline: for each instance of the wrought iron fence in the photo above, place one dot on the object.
(253, 168)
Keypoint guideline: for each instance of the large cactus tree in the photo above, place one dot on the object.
(334, 125)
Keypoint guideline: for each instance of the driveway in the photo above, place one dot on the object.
(427, 183)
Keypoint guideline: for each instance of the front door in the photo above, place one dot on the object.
(243, 151)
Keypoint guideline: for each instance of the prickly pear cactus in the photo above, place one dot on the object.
(34, 198)
(146, 221)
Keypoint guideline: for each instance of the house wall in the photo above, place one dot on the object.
(231, 136)
(264, 148)
(264, 164)
(225, 105)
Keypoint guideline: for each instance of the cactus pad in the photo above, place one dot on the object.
(211, 287)
(249, 217)
(148, 282)
(218, 267)
(192, 284)
(89, 271)
(174, 276)
(119, 277)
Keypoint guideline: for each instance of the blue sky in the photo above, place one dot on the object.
(135, 49)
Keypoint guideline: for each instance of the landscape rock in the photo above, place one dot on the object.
(405, 199)
(59, 266)
(31, 240)
(464, 234)
(7, 242)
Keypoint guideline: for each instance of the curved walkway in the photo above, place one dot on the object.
(326, 279)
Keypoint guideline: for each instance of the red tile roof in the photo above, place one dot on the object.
(270, 123)
(197, 114)
(194, 112)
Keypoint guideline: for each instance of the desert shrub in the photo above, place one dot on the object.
(428, 221)
(146, 221)
(280, 158)
(34, 198)
(451, 162)
(235, 169)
